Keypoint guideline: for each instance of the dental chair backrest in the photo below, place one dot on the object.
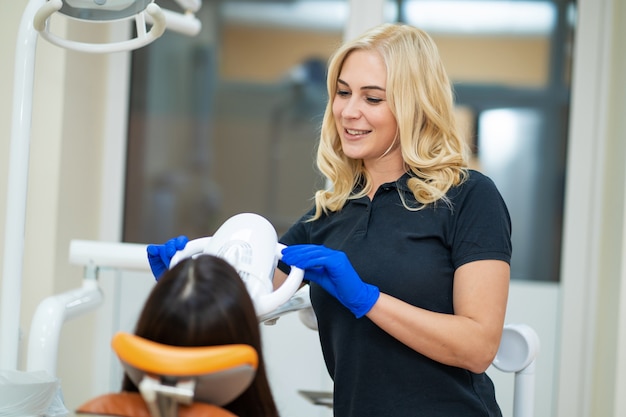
(177, 381)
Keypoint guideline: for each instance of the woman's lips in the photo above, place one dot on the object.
(356, 132)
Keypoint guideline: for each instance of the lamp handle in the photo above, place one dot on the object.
(270, 302)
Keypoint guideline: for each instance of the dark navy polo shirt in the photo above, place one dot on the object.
(410, 255)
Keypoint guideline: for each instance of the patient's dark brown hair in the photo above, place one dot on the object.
(203, 302)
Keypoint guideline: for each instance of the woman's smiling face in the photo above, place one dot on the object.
(363, 119)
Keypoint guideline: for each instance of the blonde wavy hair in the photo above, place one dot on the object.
(420, 97)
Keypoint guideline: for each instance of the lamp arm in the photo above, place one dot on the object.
(11, 292)
(51, 314)
(185, 24)
(44, 12)
(190, 5)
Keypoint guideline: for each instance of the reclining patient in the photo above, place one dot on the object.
(202, 301)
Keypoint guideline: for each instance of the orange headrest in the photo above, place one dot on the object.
(221, 373)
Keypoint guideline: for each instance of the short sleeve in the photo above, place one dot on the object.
(482, 224)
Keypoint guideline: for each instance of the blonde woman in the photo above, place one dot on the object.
(407, 253)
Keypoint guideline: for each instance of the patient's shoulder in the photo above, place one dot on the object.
(131, 404)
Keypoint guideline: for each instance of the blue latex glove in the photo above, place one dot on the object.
(160, 256)
(332, 270)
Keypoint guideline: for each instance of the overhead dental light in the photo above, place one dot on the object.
(103, 10)
(144, 12)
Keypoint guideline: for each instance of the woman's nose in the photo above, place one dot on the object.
(351, 109)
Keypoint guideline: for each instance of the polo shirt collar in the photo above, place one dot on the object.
(400, 184)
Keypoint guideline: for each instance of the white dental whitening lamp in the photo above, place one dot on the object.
(249, 242)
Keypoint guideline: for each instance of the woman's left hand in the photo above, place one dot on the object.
(332, 270)
(160, 256)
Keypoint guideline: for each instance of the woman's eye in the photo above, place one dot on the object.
(343, 93)
(374, 100)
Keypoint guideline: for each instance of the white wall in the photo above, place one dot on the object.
(591, 337)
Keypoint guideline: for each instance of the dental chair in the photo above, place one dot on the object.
(196, 381)
(176, 381)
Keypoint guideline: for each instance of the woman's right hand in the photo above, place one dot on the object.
(160, 256)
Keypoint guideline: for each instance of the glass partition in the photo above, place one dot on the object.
(227, 122)
(510, 65)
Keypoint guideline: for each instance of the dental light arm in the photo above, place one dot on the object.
(55, 310)
(248, 241)
(127, 256)
(185, 24)
(190, 5)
